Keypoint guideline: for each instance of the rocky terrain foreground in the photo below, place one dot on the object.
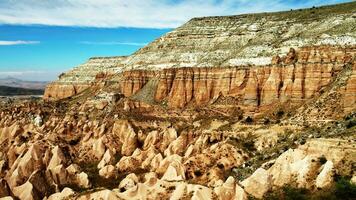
(259, 106)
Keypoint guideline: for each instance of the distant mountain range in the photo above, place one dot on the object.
(14, 82)
(10, 86)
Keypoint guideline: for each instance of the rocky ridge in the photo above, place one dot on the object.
(258, 60)
(82, 77)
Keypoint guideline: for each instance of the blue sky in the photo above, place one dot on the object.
(40, 39)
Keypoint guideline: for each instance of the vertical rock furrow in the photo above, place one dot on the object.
(299, 76)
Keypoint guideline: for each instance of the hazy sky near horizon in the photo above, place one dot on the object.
(40, 39)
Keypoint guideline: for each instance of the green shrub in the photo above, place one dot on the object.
(292, 193)
(344, 189)
(249, 119)
(351, 123)
(288, 193)
(322, 159)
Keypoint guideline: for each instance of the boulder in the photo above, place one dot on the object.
(108, 158)
(258, 183)
(325, 177)
(82, 180)
(126, 135)
(102, 195)
(99, 148)
(226, 190)
(174, 172)
(130, 181)
(64, 194)
(58, 158)
(108, 171)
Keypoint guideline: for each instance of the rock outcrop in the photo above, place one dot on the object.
(83, 76)
(256, 86)
(258, 59)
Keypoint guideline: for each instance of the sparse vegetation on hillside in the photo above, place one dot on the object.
(12, 91)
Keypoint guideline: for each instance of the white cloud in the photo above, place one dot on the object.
(114, 43)
(17, 42)
(133, 13)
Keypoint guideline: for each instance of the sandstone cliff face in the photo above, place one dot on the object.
(245, 41)
(299, 76)
(349, 98)
(82, 77)
(61, 91)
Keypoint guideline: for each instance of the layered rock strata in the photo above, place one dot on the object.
(83, 76)
(226, 43)
(298, 76)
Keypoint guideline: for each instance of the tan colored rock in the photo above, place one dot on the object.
(164, 164)
(127, 136)
(58, 158)
(73, 169)
(24, 166)
(152, 138)
(128, 182)
(174, 172)
(82, 180)
(353, 179)
(179, 192)
(200, 192)
(101, 105)
(64, 194)
(108, 171)
(168, 136)
(325, 177)
(102, 195)
(156, 161)
(34, 188)
(6, 198)
(178, 146)
(305, 171)
(108, 158)
(240, 193)
(99, 148)
(26, 192)
(59, 174)
(226, 190)
(281, 171)
(258, 183)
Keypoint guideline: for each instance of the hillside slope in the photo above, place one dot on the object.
(13, 91)
(256, 61)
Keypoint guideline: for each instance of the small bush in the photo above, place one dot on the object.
(280, 113)
(322, 159)
(351, 123)
(266, 121)
(249, 145)
(344, 189)
(249, 119)
(292, 193)
(288, 193)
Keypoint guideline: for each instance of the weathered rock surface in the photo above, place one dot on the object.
(304, 167)
(196, 63)
(82, 77)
